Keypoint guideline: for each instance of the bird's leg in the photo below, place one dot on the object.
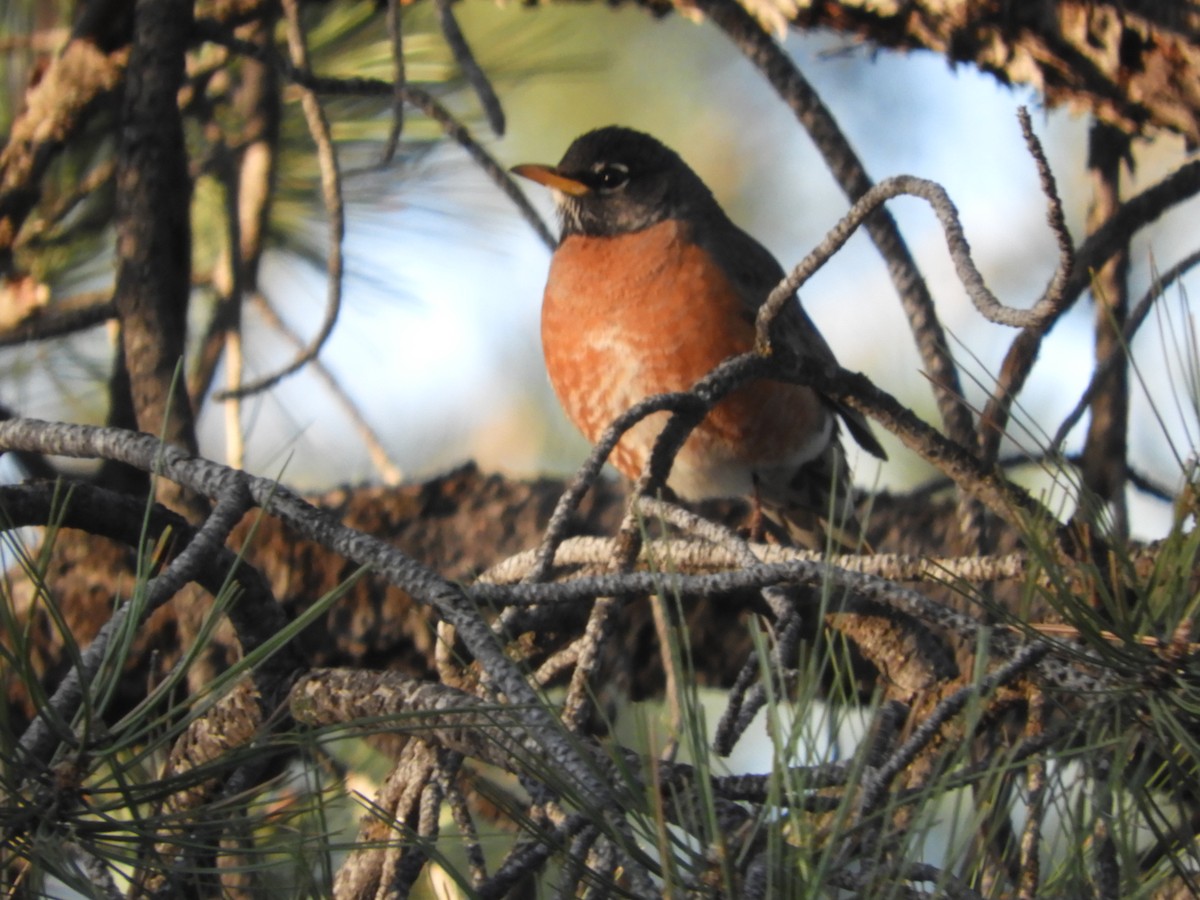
(758, 521)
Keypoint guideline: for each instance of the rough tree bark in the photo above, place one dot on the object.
(1131, 64)
(154, 245)
(1104, 454)
(1113, 56)
(459, 524)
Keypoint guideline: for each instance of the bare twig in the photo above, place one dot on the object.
(449, 764)
(578, 705)
(498, 174)
(422, 584)
(969, 276)
(705, 556)
(1035, 805)
(381, 851)
(588, 473)
(389, 472)
(226, 325)
(1117, 352)
(1133, 215)
(420, 99)
(851, 175)
(1054, 300)
(65, 317)
(395, 28)
(192, 564)
(247, 171)
(1055, 216)
(1007, 500)
(876, 783)
(690, 523)
(471, 69)
(331, 195)
(527, 857)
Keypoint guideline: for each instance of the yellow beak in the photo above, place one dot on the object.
(550, 177)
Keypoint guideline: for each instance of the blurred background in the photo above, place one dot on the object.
(437, 342)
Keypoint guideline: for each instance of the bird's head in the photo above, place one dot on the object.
(616, 180)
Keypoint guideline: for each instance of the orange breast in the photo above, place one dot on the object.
(646, 313)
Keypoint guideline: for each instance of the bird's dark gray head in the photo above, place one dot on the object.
(616, 180)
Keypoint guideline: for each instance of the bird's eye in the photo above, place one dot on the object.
(611, 176)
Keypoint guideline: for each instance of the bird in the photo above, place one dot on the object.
(652, 286)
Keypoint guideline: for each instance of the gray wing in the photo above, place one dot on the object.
(756, 272)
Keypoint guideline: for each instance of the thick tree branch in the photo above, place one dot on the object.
(78, 80)
(154, 247)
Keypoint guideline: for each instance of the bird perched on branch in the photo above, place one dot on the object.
(651, 287)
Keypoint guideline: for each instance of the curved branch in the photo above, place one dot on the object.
(498, 174)
(64, 317)
(331, 195)
(204, 560)
(985, 301)
(419, 99)
(471, 69)
(1133, 215)
(421, 583)
(850, 174)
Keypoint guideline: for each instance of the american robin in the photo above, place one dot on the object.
(650, 288)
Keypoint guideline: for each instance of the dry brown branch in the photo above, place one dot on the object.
(592, 554)
(1035, 785)
(843, 163)
(1116, 351)
(472, 71)
(1104, 457)
(395, 30)
(1127, 64)
(1106, 241)
(153, 283)
(331, 196)
(451, 602)
(246, 171)
(64, 317)
(387, 470)
(79, 80)
(371, 869)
